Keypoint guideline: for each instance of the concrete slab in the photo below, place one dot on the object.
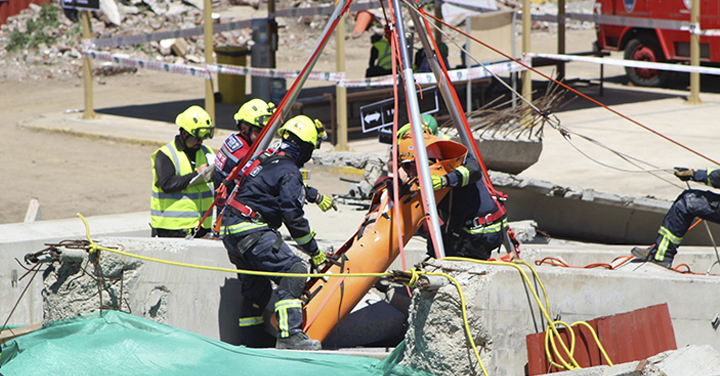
(501, 311)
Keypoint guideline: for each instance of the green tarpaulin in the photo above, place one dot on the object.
(115, 343)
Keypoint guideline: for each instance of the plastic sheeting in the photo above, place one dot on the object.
(116, 343)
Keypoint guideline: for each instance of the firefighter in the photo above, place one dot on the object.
(180, 197)
(250, 119)
(272, 194)
(472, 224)
(689, 204)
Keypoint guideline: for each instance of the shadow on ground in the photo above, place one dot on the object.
(316, 107)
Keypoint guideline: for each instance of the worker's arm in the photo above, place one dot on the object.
(373, 56)
(468, 173)
(324, 202)
(710, 177)
(167, 179)
(291, 199)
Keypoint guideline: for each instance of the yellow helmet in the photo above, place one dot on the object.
(197, 122)
(255, 112)
(307, 130)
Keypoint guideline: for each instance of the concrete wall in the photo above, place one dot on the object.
(201, 301)
(19, 239)
(501, 314)
(594, 216)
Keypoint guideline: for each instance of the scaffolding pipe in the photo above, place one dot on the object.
(294, 91)
(421, 157)
(444, 86)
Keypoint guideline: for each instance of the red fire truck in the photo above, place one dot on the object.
(646, 42)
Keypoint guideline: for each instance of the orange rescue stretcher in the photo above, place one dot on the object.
(374, 247)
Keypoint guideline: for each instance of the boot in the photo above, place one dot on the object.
(647, 255)
(297, 341)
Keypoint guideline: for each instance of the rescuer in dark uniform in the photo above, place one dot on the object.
(273, 194)
(689, 204)
(250, 120)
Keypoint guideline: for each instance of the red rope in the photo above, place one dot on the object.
(577, 92)
(235, 173)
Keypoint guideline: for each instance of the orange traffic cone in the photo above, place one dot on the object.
(362, 22)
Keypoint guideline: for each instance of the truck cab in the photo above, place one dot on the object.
(653, 44)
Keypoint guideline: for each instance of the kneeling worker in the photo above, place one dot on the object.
(180, 197)
(472, 222)
(273, 194)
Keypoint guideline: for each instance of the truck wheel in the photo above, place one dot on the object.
(645, 49)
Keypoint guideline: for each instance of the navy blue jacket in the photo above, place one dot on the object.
(277, 192)
(465, 202)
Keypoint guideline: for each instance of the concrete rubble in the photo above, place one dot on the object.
(688, 361)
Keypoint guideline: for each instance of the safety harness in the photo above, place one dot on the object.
(252, 168)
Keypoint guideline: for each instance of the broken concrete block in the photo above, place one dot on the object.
(110, 10)
(688, 361)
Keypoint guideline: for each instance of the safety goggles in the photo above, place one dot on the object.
(203, 133)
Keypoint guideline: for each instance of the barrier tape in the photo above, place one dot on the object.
(128, 62)
(631, 63)
(279, 73)
(221, 27)
(457, 75)
(337, 77)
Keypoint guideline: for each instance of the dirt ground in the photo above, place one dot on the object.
(70, 175)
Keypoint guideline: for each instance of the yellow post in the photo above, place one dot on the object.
(341, 91)
(208, 40)
(695, 54)
(89, 112)
(526, 29)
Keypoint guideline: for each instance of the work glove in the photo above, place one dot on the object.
(684, 174)
(325, 202)
(318, 260)
(438, 182)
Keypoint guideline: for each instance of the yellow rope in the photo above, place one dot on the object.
(94, 247)
(552, 330)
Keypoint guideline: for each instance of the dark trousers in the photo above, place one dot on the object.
(269, 255)
(688, 205)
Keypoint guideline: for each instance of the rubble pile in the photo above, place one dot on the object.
(57, 53)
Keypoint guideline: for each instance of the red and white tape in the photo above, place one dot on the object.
(337, 77)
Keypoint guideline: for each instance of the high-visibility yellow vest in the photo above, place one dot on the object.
(384, 59)
(185, 209)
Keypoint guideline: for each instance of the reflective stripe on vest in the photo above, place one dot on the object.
(384, 59)
(184, 209)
